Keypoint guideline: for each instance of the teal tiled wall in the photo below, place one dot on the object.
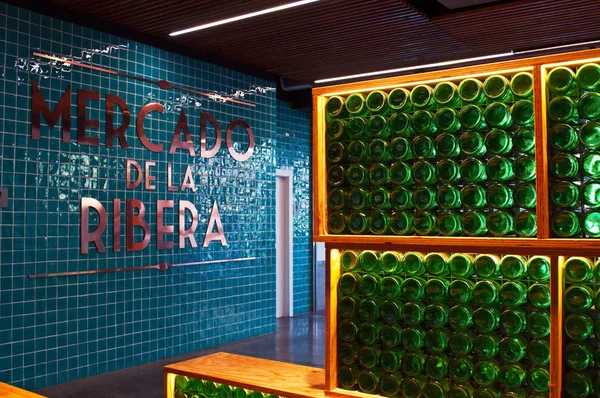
(294, 138)
(57, 329)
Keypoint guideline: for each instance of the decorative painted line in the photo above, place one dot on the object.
(162, 266)
(164, 84)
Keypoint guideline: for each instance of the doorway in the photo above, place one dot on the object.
(284, 244)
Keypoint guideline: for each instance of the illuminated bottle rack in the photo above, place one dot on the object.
(191, 387)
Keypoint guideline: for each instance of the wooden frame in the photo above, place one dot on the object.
(542, 244)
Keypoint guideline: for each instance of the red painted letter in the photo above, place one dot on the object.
(82, 121)
(136, 220)
(39, 107)
(111, 131)
(96, 235)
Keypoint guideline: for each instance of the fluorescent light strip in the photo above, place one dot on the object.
(388, 71)
(557, 47)
(245, 16)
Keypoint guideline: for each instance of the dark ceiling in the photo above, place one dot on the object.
(337, 37)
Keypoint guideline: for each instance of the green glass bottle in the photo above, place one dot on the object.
(414, 265)
(436, 340)
(538, 379)
(578, 384)
(390, 384)
(358, 152)
(538, 296)
(497, 89)
(561, 80)
(400, 174)
(347, 376)
(498, 115)
(358, 223)
(379, 150)
(461, 291)
(399, 124)
(390, 262)
(486, 292)
(446, 95)
(471, 91)
(461, 316)
(210, 389)
(348, 352)
(448, 197)
(590, 164)
(402, 223)
(436, 366)
(446, 120)
(591, 194)
(591, 224)
(347, 330)
(368, 332)
(513, 267)
(487, 266)
(369, 261)
(472, 143)
(525, 195)
(424, 223)
(588, 107)
(461, 342)
(335, 152)
(413, 313)
(524, 168)
(461, 390)
(336, 222)
(513, 294)
(498, 142)
(423, 147)
(335, 107)
(437, 388)
(500, 223)
(513, 375)
(369, 284)
(565, 224)
(513, 321)
(391, 311)
(461, 368)
(436, 289)
(538, 324)
(521, 85)
(578, 270)
(513, 348)
(349, 282)
(336, 175)
(399, 100)
(368, 357)
(357, 175)
(181, 383)
(357, 129)
(349, 260)
(422, 97)
(447, 146)
(358, 199)
(538, 352)
(401, 199)
(412, 387)
(423, 122)
(368, 381)
(526, 224)
(391, 359)
(400, 149)
(579, 298)
(413, 363)
(588, 77)
(486, 319)
(390, 335)
(377, 127)
(473, 222)
(460, 265)
(239, 393)
(448, 171)
(499, 169)
(436, 264)
(449, 224)
(413, 289)
(424, 198)
(487, 346)
(377, 102)
(226, 391)
(380, 199)
(391, 286)
(368, 309)
(522, 113)
(562, 109)
(472, 170)
(436, 315)
(486, 372)
(579, 356)
(472, 118)
(487, 392)
(524, 140)
(565, 194)
(538, 268)
(337, 199)
(356, 105)
(499, 196)
(563, 137)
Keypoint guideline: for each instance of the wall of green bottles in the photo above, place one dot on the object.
(438, 324)
(189, 387)
(581, 304)
(574, 139)
(452, 159)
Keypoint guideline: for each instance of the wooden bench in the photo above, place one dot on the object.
(8, 391)
(269, 377)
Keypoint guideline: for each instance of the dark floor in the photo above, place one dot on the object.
(299, 340)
